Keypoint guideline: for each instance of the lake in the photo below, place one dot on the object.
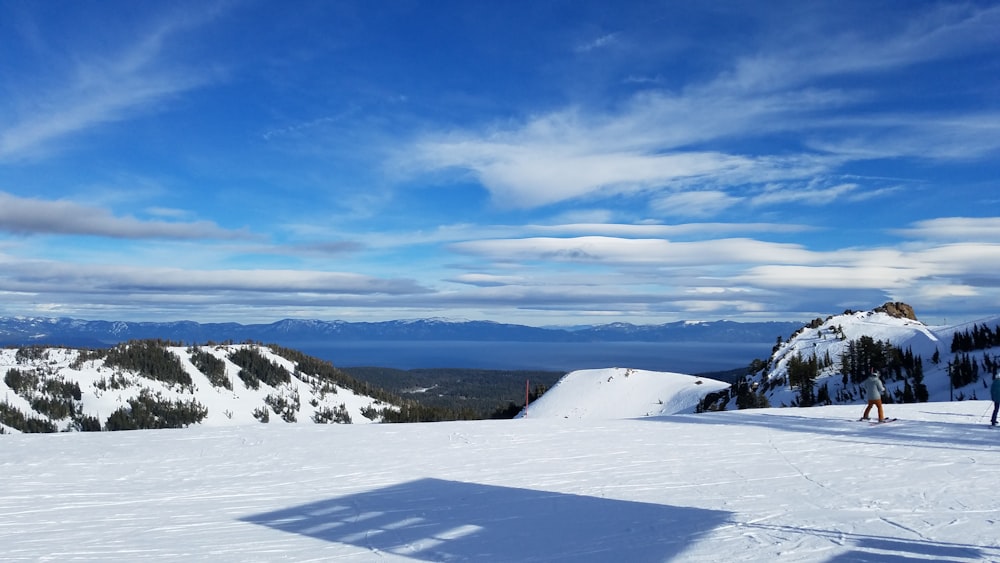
(682, 357)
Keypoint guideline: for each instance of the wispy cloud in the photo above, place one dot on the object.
(102, 88)
(932, 34)
(598, 43)
(24, 216)
(571, 154)
(539, 166)
(706, 203)
(810, 195)
(971, 135)
(649, 143)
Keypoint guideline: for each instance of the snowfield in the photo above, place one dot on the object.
(760, 485)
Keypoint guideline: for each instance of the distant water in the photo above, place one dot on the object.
(682, 357)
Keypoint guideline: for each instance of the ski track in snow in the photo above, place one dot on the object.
(772, 484)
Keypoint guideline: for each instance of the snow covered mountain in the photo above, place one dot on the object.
(622, 393)
(824, 362)
(148, 384)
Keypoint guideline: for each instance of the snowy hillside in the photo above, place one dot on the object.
(918, 355)
(173, 386)
(622, 393)
(789, 485)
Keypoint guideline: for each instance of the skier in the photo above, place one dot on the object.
(995, 395)
(873, 392)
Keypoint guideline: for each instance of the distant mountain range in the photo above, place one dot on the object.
(292, 332)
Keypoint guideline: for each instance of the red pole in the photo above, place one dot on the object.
(527, 383)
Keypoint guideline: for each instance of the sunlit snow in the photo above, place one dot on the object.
(764, 485)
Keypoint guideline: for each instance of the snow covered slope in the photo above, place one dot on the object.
(91, 387)
(789, 485)
(622, 393)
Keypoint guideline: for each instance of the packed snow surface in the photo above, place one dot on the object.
(767, 485)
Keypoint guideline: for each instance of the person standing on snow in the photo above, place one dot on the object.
(995, 395)
(873, 392)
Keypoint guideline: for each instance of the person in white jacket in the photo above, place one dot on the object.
(873, 392)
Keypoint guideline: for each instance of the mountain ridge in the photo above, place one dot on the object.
(70, 331)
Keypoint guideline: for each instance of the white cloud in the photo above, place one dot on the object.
(533, 172)
(883, 268)
(982, 229)
(567, 155)
(965, 259)
(844, 277)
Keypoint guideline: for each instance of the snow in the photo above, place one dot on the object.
(622, 393)
(610, 465)
(763, 485)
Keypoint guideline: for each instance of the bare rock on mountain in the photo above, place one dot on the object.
(897, 309)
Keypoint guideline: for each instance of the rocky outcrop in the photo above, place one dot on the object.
(897, 309)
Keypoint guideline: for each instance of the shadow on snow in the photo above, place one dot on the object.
(952, 435)
(437, 520)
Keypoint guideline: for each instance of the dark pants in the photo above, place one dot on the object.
(996, 407)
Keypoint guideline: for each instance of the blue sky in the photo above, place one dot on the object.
(542, 162)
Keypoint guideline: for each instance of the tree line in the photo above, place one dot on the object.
(860, 357)
(979, 337)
